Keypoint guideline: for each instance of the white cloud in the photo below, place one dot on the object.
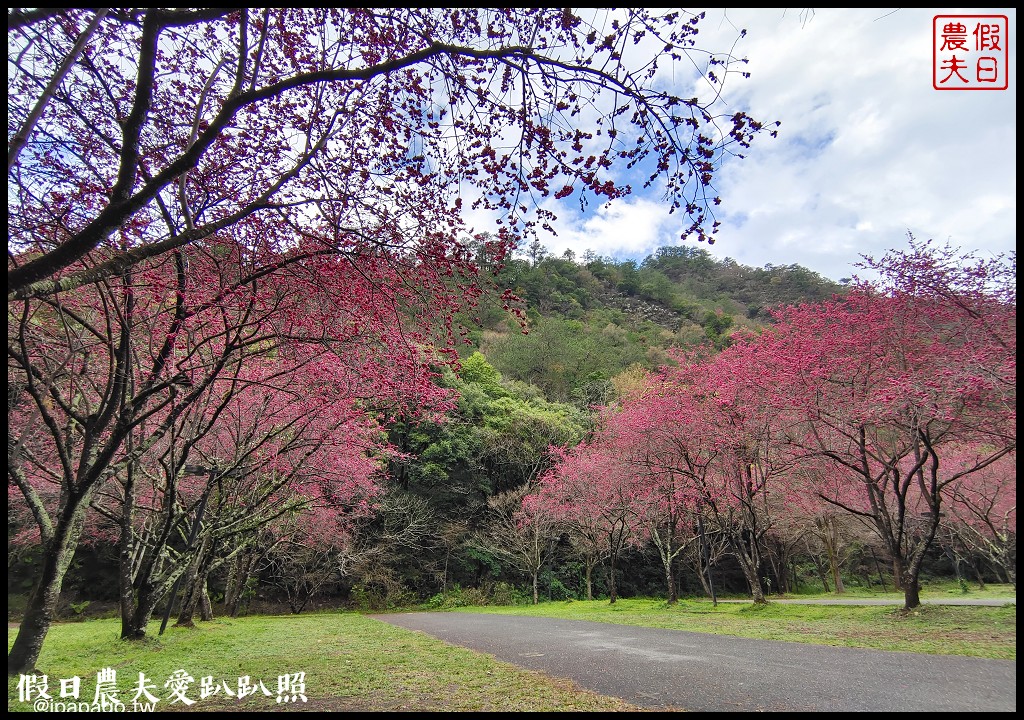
(630, 228)
(867, 150)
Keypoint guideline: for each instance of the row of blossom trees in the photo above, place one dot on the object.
(895, 403)
(205, 401)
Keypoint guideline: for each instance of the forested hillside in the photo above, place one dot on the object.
(589, 319)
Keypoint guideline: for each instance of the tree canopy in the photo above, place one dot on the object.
(134, 132)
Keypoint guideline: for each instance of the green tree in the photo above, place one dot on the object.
(495, 442)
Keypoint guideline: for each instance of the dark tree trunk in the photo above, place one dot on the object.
(147, 599)
(125, 556)
(830, 534)
(703, 570)
(235, 591)
(750, 574)
(911, 593)
(979, 576)
(897, 573)
(195, 584)
(878, 568)
(189, 602)
(140, 594)
(670, 582)
(612, 592)
(42, 603)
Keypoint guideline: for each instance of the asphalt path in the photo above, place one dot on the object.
(674, 669)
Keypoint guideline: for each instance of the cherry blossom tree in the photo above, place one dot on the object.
(826, 533)
(591, 492)
(256, 448)
(889, 383)
(689, 444)
(979, 292)
(307, 460)
(586, 533)
(741, 421)
(644, 435)
(315, 543)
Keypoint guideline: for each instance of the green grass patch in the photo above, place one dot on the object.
(932, 589)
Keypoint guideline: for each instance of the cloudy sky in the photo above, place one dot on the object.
(867, 151)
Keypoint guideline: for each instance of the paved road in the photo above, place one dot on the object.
(663, 669)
